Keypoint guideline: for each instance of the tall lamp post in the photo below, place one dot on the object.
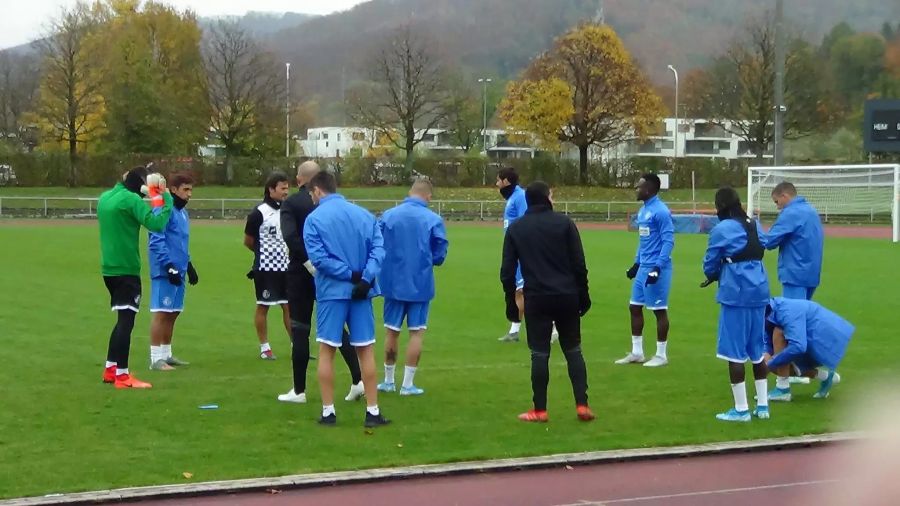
(676, 110)
(484, 82)
(287, 111)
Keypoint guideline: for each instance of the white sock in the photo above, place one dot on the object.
(166, 351)
(389, 373)
(739, 391)
(373, 410)
(408, 374)
(637, 345)
(821, 374)
(155, 353)
(110, 364)
(661, 348)
(264, 347)
(121, 371)
(783, 382)
(328, 410)
(762, 393)
(514, 327)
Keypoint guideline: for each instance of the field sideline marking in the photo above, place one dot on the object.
(428, 470)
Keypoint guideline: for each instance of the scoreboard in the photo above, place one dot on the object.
(882, 126)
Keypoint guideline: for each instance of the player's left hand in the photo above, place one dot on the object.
(653, 276)
(193, 278)
(512, 310)
(361, 290)
(584, 304)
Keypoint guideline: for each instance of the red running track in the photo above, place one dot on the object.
(797, 476)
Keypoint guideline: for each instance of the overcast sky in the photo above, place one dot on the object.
(23, 20)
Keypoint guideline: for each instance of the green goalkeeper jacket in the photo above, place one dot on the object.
(121, 212)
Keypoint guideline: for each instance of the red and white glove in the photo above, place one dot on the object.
(156, 186)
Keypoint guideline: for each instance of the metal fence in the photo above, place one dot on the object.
(462, 210)
(455, 210)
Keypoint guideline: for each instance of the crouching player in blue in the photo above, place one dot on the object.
(734, 259)
(169, 263)
(815, 343)
(346, 248)
(415, 240)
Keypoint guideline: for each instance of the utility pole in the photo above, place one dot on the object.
(287, 111)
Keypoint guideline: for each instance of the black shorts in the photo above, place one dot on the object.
(271, 287)
(124, 292)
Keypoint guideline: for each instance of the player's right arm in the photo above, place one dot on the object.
(508, 264)
(144, 214)
(795, 337)
(324, 263)
(715, 252)
(251, 229)
(290, 231)
(783, 227)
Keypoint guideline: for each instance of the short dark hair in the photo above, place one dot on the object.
(509, 174)
(537, 192)
(180, 179)
(653, 179)
(324, 181)
(785, 188)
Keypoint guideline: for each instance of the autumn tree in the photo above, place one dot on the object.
(244, 87)
(737, 91)
(155, 94)
(406, 94)
(70, 101)
(587, 91)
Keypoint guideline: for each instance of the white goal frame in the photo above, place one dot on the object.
(761, 180)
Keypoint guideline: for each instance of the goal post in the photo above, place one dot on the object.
(841, 193)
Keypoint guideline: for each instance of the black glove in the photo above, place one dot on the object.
(652, 276)
(193, 278)
(361, 290)
(250, 274)
(355, 277)
(512, 310)
(632, 272)
(584, 304)
(707, 283)
(174, 275)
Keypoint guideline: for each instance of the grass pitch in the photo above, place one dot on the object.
(62, 430)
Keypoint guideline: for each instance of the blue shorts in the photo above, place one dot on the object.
(797, 292)
(166, 297)
(520, 281)
(332, 315)
(741, 334)
(655, 296)
(415, 314)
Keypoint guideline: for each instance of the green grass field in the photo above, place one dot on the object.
(62, 430)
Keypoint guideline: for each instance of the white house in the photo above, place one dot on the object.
(335, 142)
(697, 138)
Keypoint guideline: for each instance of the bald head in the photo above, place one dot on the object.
(306, 171)
(422, 188)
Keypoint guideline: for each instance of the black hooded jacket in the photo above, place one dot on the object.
(548, 247)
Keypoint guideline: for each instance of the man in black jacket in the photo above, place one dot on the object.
(548, 247)
(301, 291)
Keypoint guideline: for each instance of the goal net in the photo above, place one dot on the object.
(842, 193)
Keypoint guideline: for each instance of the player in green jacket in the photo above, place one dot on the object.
(121, 212)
